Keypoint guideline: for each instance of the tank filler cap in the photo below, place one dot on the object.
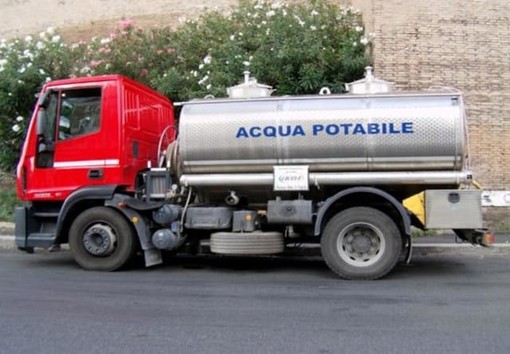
(250, 88)
(370, 84)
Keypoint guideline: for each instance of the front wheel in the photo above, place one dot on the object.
(361, 243)
(100, 238)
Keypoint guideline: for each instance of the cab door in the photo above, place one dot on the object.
(72, 150)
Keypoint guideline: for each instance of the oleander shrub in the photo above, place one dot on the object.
(296, 48)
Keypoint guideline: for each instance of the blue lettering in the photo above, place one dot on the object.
(407, 128)
(384, 129)
(358, 129)
(317, 128)
(346, 128)
(393, 130)
(298, 131)
(255, 132)
(373, 128)
(270, 132)
(332, 129)
(242, 133)
(285, 132)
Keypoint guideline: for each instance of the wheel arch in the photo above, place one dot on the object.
(363, 196)
(80, 200)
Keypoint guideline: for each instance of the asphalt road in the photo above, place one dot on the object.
(442, 303)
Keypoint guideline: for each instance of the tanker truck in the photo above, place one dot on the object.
(116, 170)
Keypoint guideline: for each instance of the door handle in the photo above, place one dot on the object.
(95, 174)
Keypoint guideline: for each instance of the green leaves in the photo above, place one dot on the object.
(296, 48)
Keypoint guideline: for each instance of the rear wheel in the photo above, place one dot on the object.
(361, 243)
(101, 239)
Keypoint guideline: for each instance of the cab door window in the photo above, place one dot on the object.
(80, 112)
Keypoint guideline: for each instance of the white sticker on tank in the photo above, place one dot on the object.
(290, 178)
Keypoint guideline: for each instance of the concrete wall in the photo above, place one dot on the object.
(21, 17)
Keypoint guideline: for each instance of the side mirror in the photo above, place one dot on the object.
(41, 121)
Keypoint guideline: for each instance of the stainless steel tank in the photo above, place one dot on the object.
(333, 133)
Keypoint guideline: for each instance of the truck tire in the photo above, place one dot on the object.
(101, 239)
(248, 243)
(361, 243)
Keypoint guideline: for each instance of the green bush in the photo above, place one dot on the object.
(297, 49)
(25, 65)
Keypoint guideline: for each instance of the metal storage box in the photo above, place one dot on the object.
(453, 209)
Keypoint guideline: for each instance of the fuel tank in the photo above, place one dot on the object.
(329, 133)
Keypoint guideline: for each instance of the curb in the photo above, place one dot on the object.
(499, 249)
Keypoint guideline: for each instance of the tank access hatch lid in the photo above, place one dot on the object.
(250, 88)
(370, 84)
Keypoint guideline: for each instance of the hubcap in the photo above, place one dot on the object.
(361, 244)
(99, 240)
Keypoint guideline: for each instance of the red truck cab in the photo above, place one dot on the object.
(87, 135)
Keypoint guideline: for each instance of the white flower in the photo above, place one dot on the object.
(354, 44)
(85, 70)
(240, 34)
(105, 41)
(41, 71)
(203, 80)
(19, 119)
(40, 45)
(314, 13)
(50, 30)
(22, 70)
(55, 39)
(3, 62)
(364, 41)
(270, 13)
(358, 29)
(48, 79)
(207, 59)
(28, 39)
(201, 66)
(276, 5)
(42, 35)
(313, 28)
(246, 63)
(208, 86)
(16, 128)
(232, 37)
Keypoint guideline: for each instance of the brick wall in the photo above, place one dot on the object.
(459, 43)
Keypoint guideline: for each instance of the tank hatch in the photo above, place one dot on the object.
(370, 84)
(250, 88)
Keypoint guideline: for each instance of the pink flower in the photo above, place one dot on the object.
(170, 50)
(144, 72)
(95, 63)
(125, 24)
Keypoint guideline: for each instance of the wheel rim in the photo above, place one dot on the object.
(99, 240)
(361, 244)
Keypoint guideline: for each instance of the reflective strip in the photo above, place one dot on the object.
(87, 163)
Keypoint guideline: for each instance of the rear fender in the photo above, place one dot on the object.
(406, 219)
